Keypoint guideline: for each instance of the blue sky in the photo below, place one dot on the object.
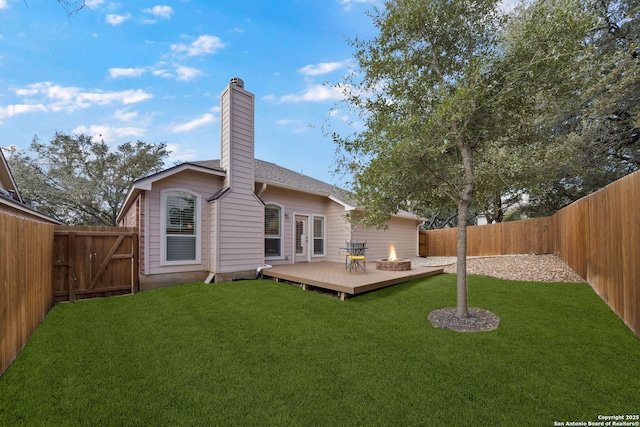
(154, 70)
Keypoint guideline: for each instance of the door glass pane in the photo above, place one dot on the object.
(299, 237)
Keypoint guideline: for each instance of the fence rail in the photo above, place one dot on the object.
(598, 237)
(26, 260)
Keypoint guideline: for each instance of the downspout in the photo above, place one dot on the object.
(264, 187)
(257, 276)
(216, 244)
(418, 242)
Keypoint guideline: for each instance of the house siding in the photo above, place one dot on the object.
(198, 183)
(240, 233)
(338, 231)
(401, 233)
(135, 217)
(142, 231)
(237, 138)
(295, 203)
(239, 230)
(213, 235)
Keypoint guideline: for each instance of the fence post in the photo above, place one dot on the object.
(71, 257)
(135, 283)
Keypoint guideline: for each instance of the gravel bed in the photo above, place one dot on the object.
(529, 268)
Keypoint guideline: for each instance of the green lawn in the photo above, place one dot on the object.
(265, 353)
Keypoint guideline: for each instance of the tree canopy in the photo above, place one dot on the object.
(80, 181)
(604, 127)
(452, 95)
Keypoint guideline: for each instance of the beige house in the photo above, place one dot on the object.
(220, 219)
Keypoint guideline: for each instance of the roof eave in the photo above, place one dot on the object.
(28, 210)
(290, 187)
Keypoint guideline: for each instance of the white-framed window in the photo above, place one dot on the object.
(180, 223)
(272, 231)
(318, 235)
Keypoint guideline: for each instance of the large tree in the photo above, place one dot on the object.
(81, 181)
(449, 95)
(605, 126)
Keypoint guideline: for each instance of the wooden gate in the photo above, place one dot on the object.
(422, 243)
(94, 262)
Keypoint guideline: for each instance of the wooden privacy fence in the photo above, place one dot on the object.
(598, 237)
(94, 261)
(530, 236)
(26, 261)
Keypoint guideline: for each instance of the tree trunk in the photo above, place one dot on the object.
(462, 309)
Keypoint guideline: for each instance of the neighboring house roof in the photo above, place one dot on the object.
(10, 196)
(7, 183)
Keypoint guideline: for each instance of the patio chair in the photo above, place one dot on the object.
(356, 256)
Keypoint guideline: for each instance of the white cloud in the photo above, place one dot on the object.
(116, 19)
(69, 98)
(110, 133)
(4, 4)
(125, 116)
(322, 68)
(125, 72)
(334, 112)
(297, 126)
(161, 69)
(160, 11)
(164, 73)
(316, 93)
(92, 4)
(203, 45)
(203, 120)
(12, 110)
(178, 154)
(187, 74)
(348, 4)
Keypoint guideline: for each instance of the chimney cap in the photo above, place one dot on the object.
(237, 81)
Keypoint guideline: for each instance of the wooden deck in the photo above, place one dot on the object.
(333, 276)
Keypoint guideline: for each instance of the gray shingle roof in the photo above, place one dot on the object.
(271, 173)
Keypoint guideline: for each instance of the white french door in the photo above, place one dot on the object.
(301, 241)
